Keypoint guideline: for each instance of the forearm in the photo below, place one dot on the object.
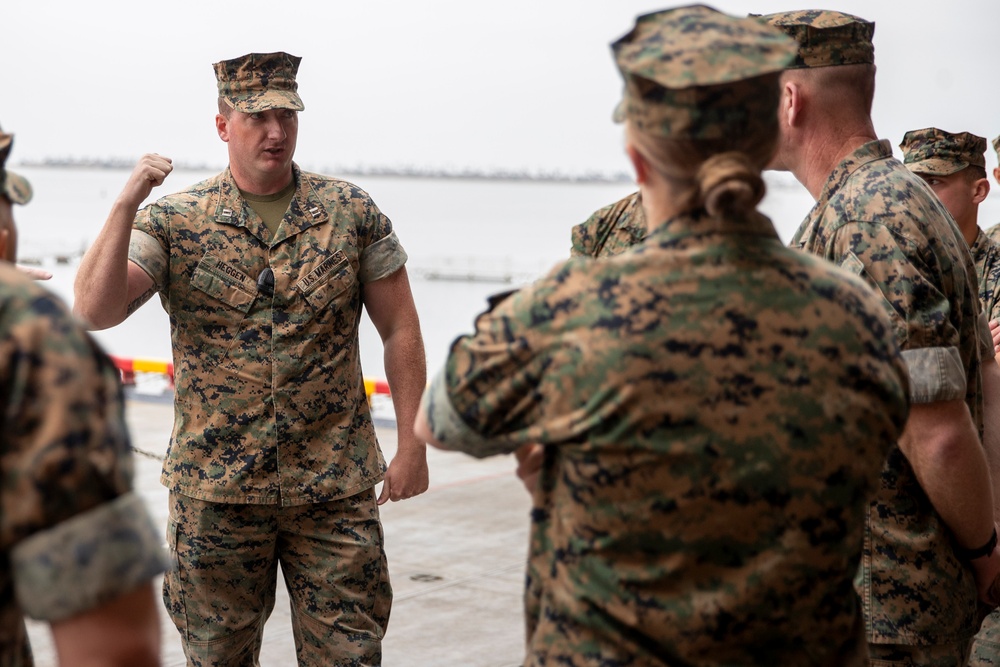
(943, 447)
(406, 372)
(101, 288)
(106, 290)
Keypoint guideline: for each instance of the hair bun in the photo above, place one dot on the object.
(729, 184)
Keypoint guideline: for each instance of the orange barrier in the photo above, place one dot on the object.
(376, 387)
(128, 367)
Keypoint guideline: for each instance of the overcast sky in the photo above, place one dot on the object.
(519, 84)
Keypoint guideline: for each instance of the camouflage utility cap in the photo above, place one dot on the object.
(996, 146)
(260, 81)
(826, 38)
(696, 73)
(15, 187)
(939, 153)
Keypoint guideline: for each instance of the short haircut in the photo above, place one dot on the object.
(974, 172)
(848, 87)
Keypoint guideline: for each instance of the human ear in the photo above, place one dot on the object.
(790, 107)
(980, 188)
(222, 126)
(639, 164)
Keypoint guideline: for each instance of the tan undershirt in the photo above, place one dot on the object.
(271, 208)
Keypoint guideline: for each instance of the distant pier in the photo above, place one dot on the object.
(477, 270)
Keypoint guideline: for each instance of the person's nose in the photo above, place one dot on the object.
(275, 129)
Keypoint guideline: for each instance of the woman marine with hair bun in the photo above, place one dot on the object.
(713, 407)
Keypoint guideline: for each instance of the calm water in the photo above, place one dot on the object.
(488, 228)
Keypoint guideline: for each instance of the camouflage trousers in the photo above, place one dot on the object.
(904, 655)
(221, 588)
(986, 647)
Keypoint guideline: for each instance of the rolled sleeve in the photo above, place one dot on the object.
(146, 252)
(448, 427)
(88, 560)
(936, 374)
(382, 258)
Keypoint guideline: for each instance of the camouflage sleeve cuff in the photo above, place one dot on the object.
(381, 259)
(146, 252)
(88, 560)
(448, 427)
(936, 374)
(580, 241)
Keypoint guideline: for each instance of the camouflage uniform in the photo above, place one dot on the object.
(915, 256)
(610, 230)
(272, 427)
(714, 407)
(270, 400)
(986, 255)
(934, 152)
(73, 534)
(994, 231)
(683, 458)
(986, 646)
(876, 219)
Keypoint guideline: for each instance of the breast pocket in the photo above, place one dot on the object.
(329, 283)
(217, 308)
(224, 283)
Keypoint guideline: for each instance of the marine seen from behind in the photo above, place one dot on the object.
(930, 543)
(713, 407)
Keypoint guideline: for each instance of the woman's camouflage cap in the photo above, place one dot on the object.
(259, 81)
(826, 38)
(939, 153)
(696, 73)
(16, 188)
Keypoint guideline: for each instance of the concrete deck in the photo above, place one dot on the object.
(456, 560)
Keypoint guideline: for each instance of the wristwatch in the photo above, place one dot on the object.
(985, 550)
